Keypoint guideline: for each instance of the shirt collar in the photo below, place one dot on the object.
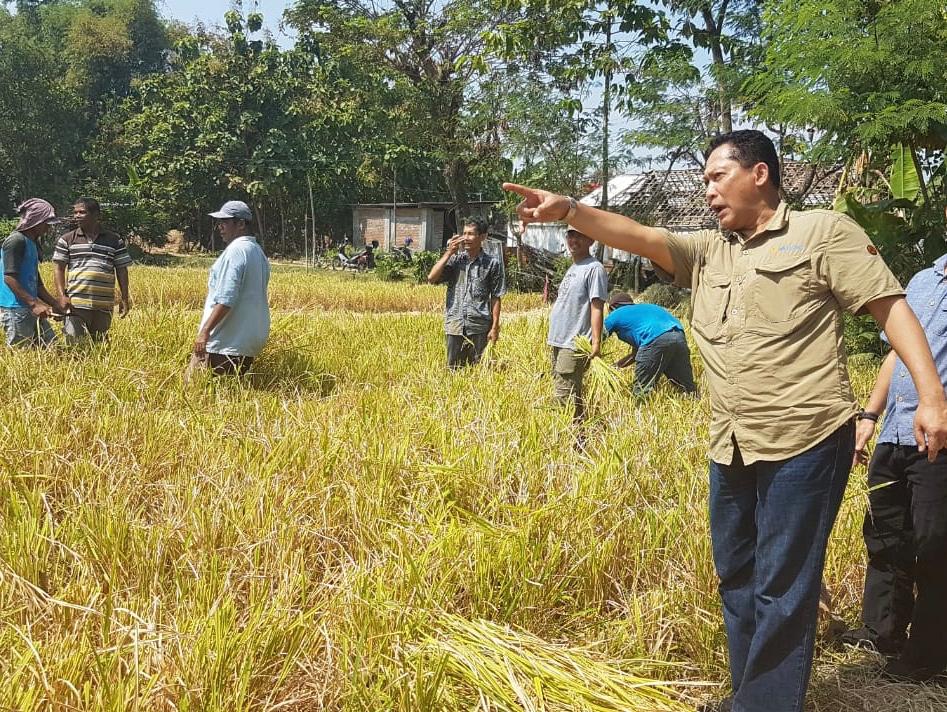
(939, 265)
(778, 221)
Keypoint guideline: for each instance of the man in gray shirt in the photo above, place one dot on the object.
(474, 288)
(578, 311)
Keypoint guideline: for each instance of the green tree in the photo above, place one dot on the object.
(431, 57)
(62, 64)
(234, 117)
(869, 79)
(38, 143)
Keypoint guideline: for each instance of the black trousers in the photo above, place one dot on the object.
(465, 350)
(906, 536)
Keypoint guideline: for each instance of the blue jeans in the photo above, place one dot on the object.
(22, 328)
(770, 524)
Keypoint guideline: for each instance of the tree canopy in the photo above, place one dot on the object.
(441, 101)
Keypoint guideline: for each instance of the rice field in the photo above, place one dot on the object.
(354, 528)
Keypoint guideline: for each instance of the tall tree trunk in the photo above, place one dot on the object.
(605, 253)
(455, 174)
(714, 29)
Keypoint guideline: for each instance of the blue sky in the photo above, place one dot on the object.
(211, 12)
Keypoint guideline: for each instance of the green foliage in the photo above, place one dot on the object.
(62, 64)
(899, 215)
(7, 225)
(426, 58)
(861, 335)
(422, 264)
(905, 181)
(262, 110)
(387, 268)
(865, 74)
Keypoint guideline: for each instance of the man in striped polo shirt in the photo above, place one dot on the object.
(93, 258)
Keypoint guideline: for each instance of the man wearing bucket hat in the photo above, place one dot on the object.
(236, 319)
(658, 344)
(25, 303)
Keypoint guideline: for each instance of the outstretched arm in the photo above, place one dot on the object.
(611, 229)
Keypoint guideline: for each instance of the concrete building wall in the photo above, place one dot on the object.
(435, 239)
(410, 223)
(370, 224)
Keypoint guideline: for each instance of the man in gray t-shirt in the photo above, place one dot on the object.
(578, 311)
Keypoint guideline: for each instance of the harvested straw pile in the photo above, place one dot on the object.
(514, 670)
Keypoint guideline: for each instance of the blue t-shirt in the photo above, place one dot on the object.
(640, 324)
(20, 259)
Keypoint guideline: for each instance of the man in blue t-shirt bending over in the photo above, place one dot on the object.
(657, 343)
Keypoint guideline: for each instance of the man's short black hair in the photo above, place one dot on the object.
(478, 223)
(90, 204)
(749, 147)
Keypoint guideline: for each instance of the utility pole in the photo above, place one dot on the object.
(394, 208)
(312, 210)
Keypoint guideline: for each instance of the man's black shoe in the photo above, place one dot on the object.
(866, 639)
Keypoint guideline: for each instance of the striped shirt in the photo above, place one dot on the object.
(91, 267)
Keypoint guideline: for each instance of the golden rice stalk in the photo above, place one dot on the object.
(488, 356)
(604, 383)
(514, 670)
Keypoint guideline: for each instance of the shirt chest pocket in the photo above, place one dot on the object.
(477, 284)
(780, 292)
(710, 303)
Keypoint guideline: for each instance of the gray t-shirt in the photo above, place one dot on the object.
(572, 313)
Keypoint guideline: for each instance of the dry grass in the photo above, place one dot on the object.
(354, 528)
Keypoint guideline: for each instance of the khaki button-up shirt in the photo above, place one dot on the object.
(767, 320)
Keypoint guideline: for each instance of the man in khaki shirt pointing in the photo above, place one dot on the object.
(769, 290)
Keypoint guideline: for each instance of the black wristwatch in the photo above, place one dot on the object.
(867, 415)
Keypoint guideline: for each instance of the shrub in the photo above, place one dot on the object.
(861, 335)
(388, 269)
(666, 295)
(423, 261)
(7, 225)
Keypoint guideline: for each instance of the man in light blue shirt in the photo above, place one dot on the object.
(658, 344)
(236, 319)
(906, 525)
